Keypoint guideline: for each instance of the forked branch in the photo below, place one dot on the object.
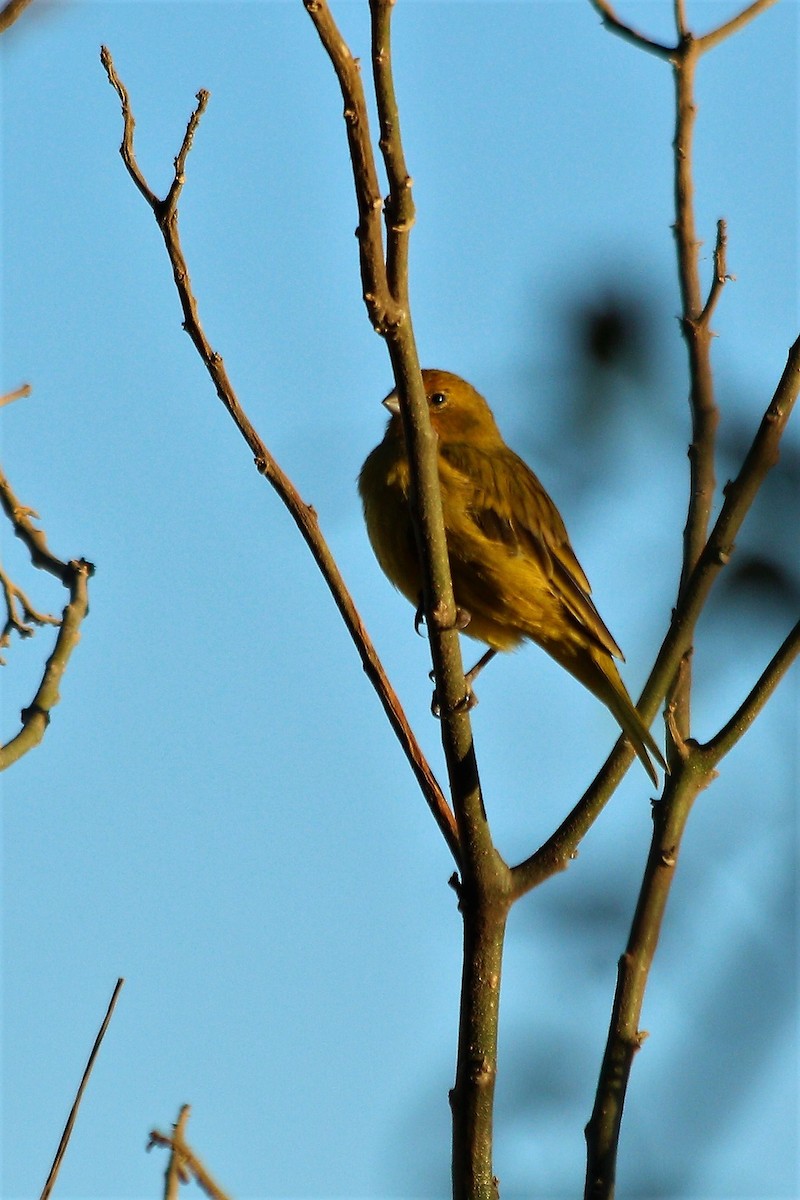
(183, 1164)
(704, 554)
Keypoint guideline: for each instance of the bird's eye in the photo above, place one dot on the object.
(438, 398)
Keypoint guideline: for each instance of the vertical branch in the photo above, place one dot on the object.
(625, 1037)
(692, 766)
(381, 304)
(694, 315)
(485, 887)
(692, 771)
(399, 210)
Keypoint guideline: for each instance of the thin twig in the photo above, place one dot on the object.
(730, 733)
(62, 1145)
(21, 616)
(721, 275)
(613, 23)
(708, 41)
(303, 514)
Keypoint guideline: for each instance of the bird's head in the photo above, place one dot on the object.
(458, 413)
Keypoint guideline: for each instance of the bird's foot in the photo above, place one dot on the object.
(465, 704)
(475, 671)
(462, 620)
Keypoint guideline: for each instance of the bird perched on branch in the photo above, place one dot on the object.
(515, 575)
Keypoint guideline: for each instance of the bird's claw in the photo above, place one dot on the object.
(462, 619)
(465, 704)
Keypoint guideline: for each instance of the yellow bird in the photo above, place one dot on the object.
(515, 575)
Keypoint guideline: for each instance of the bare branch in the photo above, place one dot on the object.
(10, 12)
(721, 275)
(680, 18)
(74, 576)
(556, 853)
(697, 336)
(613, 23)
(62, 1145)
(183, 1162)
(484, 891)
(21, 616)
(701, 44)
(751, 706)
(35, 539)
(128, 128)
(303, 514)
(19, 394)
(381, 304)
(693, 768)
(561, 847)
(709, 40)
(422, 448)
(400, 203)
(625, 1036)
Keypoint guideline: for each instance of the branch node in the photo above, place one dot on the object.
(34, 710)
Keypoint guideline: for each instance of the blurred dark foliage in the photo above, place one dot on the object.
(604, 373)
(611, 332)
(618, 356)
(764, 573)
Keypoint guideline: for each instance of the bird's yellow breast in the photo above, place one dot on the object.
(478, 567)
(384, 484)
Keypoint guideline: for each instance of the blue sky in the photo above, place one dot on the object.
(219, 811)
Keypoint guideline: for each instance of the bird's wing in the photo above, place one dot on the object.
(509, 506)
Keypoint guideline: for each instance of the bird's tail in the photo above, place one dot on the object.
(598, 672)
(633, 726)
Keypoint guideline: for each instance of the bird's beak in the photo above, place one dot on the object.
(392, 403)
